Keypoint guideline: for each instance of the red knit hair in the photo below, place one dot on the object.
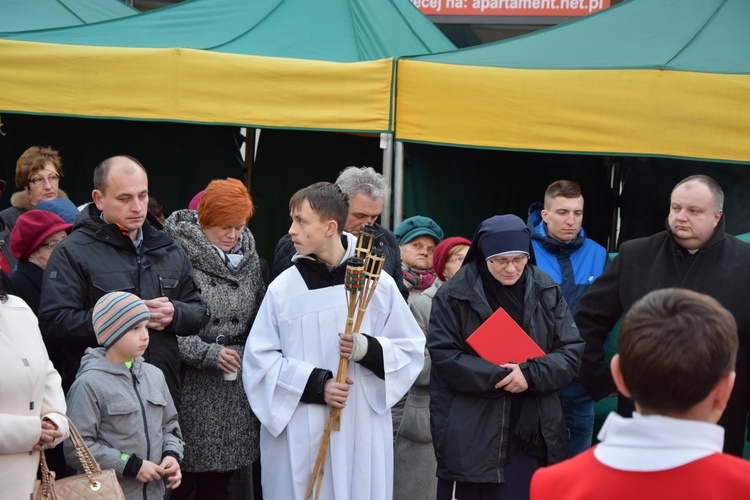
(224, 202)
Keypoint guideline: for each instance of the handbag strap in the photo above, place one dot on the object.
(89, 463)
(48, 477)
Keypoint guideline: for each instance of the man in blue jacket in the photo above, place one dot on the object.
(574, 262)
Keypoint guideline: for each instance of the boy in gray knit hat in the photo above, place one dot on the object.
(121, 404)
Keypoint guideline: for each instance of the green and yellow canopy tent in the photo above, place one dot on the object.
(273, 64)
(647, 91)
(324, 65)
(24, 15)
(645, 77)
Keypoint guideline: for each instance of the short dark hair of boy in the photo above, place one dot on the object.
(566, 189)
(326, 199)
(675, 346)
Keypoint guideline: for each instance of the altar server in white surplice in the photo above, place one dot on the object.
(293, 352)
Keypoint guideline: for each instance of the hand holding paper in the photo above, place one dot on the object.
(514, 382)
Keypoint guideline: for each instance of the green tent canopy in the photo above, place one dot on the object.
(645, 77)
(265, 63)
(23, 15)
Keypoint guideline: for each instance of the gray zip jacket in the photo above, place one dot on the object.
(122, 412)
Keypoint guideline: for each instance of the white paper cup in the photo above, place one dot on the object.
(229, 376)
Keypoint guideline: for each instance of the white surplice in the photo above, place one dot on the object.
(296, 331)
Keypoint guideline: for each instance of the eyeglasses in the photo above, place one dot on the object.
(516, 261)
(39, 181)
(52, 244)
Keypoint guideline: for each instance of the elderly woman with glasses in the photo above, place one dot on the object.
(493, 424)
(38, 173)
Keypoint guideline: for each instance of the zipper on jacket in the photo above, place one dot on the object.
(140, 272)
(145, 426)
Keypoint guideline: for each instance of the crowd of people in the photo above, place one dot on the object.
(188, 364)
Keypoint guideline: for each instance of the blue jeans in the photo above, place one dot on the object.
(578, 409)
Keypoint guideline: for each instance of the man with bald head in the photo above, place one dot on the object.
(115, 247)
(693, 253)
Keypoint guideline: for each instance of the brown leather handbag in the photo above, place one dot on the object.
(94, 484)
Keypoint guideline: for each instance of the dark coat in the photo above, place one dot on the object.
(97, 259)
(470, 418)
(282, 256)
(26, 282)
(720, 269)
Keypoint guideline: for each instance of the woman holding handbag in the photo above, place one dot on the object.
(32, 403)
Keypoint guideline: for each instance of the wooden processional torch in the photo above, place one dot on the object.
(362, 275)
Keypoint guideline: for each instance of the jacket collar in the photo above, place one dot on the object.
(22, 201)
(718, 237)
(90, 219)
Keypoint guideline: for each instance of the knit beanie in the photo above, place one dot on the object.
(115, 314)
(418, 225)
(441, 253)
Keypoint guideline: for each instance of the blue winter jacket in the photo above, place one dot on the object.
(574, 265)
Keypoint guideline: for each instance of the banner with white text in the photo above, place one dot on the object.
(567, 8)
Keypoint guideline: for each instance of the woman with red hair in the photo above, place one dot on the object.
(219, 428)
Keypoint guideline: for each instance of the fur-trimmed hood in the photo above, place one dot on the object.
(22, 200)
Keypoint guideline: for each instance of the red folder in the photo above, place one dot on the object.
(500, 340)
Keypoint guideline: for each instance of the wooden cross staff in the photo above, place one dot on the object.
(362, 275)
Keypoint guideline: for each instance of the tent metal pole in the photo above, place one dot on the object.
(398, 185)
(386, 143)
(250, 137)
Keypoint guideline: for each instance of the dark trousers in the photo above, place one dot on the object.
(205, 486)
(518, 472)
(214, 485)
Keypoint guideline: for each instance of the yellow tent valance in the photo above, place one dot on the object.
(195, 86)
(643, 112)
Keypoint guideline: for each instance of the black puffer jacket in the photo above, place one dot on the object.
(469, 418)
(386, 241)
(96, 259)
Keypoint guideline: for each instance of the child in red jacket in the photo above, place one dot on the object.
(676, 360)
